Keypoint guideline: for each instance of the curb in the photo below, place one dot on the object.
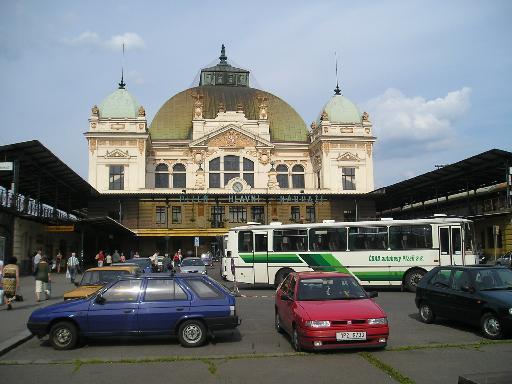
(15, 341)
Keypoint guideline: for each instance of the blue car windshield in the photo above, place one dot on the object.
(330, 288)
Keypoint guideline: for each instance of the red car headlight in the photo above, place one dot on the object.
(377, 321)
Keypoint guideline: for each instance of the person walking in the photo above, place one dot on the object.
(72, 266)
(58, 260)
(37, 259)
(43, 278)
(11, 280)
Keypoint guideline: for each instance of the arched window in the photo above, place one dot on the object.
(161, 176)
(298, 176)
(179, 176)
(282, 176)
(231, 167)
(214, 173)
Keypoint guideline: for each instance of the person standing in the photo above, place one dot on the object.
(123, 258)
(115, 257)
(43, 279)
(100, 258)
(58, 260)
(136, 255)
(37, 259)
(72, 266)
(11, 280)
(108, 260)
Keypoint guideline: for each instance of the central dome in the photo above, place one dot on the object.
(174, 119)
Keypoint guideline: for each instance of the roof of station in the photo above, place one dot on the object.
(44, 175)
(479, 171)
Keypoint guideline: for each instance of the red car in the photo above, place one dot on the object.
(328, 310)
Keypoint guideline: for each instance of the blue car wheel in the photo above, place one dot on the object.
(192, 333)
(63, 335)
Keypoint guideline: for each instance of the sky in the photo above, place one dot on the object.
(434, 76)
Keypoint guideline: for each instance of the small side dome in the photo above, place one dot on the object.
(341, 110)
(119, 104)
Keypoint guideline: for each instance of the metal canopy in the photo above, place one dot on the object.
(106, 224)
(44, 177)
(482, 170)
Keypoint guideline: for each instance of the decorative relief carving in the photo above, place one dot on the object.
(326, 147)
(239, 108)
(102, 142)
(131, 143)
(313, 125)
(142, 111)
(117, 153)
(95, 111)
(116, 126)
(263, 106)
(141, 126)
(198, 106)
(222, 108)
(200, 179)
(367, 130)
(116, 142)
(93, 125)
(264, 157)
(346, 130)
(92, 145)
(141, 147)
(232, 138)
(324, 116)
(347, 156)
(369, 149)
(366, 116)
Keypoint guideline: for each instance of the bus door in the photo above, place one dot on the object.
(260, 257)
(450, 246)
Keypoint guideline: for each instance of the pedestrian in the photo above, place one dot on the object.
(123, 258)
(136, 255)
(11, 280)
(58, 260)
(37, 259)
(176, 260)
(1, 286)
(72, 266)
(115, 257)
(108, 260)
(100, 258)
(154, 261)
(43, 278)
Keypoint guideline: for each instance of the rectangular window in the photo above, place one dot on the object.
(410, 237)
(179, 180)
(176, 215)
(290, 240)
(310, 214)
(349, 178)
(282, 180)
(203, 289)
(163, 290)
(217, 216)
(161, 215)
(258, 214)
(367, 238)
(231, 163)
(295, 214)
(214, 180)
(328, 239)
(116, 177)
(245, 241)
(237, 214)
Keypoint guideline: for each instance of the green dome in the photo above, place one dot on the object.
(341, 110)
(174, 119)
(120, 103)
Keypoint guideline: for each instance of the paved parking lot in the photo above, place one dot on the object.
(255, 353)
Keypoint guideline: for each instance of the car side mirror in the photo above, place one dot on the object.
(467, 288)
(373, 294)
(99, 299)
(285, 297)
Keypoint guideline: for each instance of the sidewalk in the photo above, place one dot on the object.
(13, 329)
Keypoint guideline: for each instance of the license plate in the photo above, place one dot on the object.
(350, 336)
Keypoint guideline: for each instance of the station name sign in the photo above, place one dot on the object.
(250, 198)
(6, 166)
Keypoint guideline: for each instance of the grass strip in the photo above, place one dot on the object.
(388, 369)
(476, 345)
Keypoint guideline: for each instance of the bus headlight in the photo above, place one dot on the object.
(377, 321)
(318, 323)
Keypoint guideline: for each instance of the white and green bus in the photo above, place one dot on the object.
(384, 252)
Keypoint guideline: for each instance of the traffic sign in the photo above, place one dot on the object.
(196, 241)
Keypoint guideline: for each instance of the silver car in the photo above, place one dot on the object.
(193, 265)
(505, 260)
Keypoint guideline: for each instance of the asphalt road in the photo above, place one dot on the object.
(255, 353)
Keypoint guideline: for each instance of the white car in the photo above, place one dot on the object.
(193, 265)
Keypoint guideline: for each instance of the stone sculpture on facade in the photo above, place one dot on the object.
(198, 106)
(262, 105)
(142, 111)
(95, 110)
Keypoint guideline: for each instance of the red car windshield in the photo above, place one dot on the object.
(330, 288)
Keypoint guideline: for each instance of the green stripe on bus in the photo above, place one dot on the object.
(272, 258)
(323, 261)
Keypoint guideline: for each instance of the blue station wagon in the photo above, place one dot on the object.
(187, 305)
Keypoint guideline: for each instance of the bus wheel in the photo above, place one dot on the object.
(281, 275)
(412, 278)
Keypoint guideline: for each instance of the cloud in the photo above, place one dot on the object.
(413, 124)
(92, 40)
